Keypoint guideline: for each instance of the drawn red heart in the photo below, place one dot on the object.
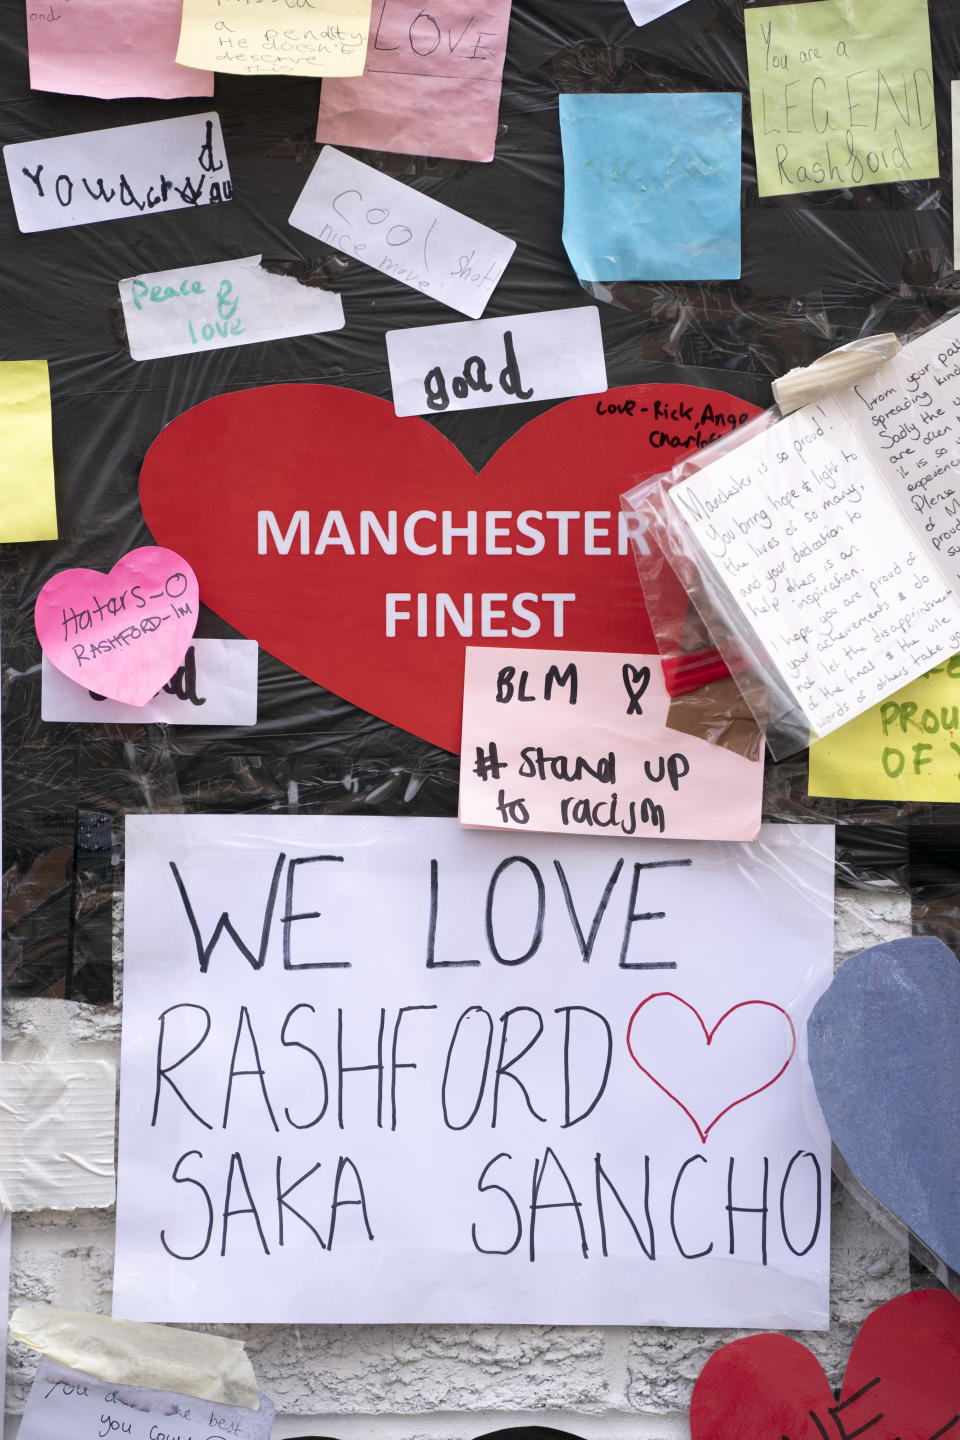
(317, 448)
(902, 1381)
(744, 1059)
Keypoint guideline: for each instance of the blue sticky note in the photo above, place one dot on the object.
(884, 1047)
(651, 186)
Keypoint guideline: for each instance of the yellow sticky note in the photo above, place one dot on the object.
(28, 505)
(841, 93)
(905, 748)
(270, 38)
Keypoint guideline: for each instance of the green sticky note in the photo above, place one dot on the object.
(841, 93)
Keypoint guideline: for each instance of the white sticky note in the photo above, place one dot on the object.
(56, 1133)
(67, 1404)
(213, 307)
(506, 361)
(215, 685)
(113, 174)
(402, 232)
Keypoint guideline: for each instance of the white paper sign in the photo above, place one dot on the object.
(66, 1404)
(215, 685)
(401, 232)
(387, 1070)
(211, 307)
(507, 361)
(112, 174)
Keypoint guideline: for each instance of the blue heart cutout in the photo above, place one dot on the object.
(884, 1050)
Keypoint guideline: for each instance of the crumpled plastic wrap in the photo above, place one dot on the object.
(818, 271)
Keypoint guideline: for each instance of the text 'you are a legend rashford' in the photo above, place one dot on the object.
(390, 1070)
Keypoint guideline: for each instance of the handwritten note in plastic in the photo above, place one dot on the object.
(577, 742)
(841, 93)
(113, 174)
(67, 1404)
(508, 361)
(431, 85)
(95, 47)
(123, 634)
(851, 506)
(402, 232)
(212, 307)
(816, 554)
(329, 37)
(28, 503)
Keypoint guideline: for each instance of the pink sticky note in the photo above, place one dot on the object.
(90, 47)
(576, 742)
(431, 85)
(124, 634)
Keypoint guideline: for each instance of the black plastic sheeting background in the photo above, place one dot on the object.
(818, 270)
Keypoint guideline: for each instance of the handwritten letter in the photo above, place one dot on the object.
(329, 37)
(577, 742)
(431, 85)
(113, 174)
(402, 232)
(909, 412)
(387, 1070)
(841, 93)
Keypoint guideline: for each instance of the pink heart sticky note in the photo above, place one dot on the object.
(123, 634)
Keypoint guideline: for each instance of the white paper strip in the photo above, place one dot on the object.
(215, 685)
(112, 174)
(506, 361)
(213, 307)
(401, 232)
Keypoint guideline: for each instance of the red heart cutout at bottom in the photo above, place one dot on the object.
(336, 469)
(902, 1381)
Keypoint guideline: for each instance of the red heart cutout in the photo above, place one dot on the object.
(739, 1071)
(318, 448)
(902, 1381)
